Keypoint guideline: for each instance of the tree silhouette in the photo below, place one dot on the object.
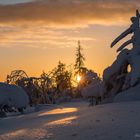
(62, 77)
(79, 63)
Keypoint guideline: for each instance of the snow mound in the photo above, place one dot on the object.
(132, 94)
(13, 96)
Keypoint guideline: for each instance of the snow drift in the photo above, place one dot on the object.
(132, 94)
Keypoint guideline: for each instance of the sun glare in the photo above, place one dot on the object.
(78, 78)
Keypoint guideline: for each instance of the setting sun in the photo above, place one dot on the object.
(78, 78)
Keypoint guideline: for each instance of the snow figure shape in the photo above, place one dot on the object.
(135, 29)
(13, 96)
(135, 51)
(117, 76)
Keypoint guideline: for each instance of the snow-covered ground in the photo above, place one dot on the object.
(75, 121)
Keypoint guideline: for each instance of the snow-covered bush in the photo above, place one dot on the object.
(94, 91)
(13, 96)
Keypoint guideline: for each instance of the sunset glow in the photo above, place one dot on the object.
(36, 32)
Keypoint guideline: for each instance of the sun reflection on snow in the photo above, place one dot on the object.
(64, 121)
(59, 111)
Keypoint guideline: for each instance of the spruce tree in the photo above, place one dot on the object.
(79, 63)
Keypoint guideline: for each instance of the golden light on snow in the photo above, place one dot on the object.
(67, 120)
(78, 78)
(59, 111)
(61, 121)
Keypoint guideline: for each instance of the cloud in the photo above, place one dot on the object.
(53, 23)
(40, 37)
(69, 12)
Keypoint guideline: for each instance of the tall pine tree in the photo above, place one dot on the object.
(79, 63)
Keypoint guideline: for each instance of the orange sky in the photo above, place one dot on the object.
(35, 35)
